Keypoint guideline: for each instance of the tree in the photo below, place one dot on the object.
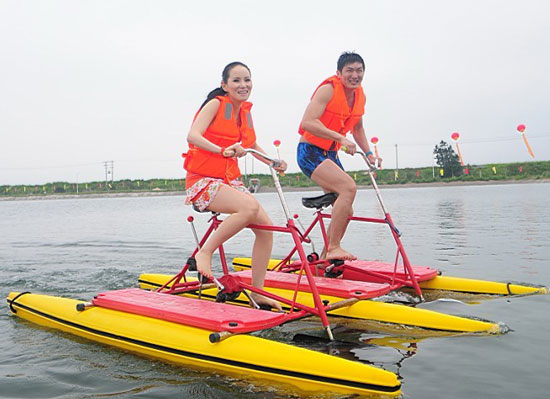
(447, 159)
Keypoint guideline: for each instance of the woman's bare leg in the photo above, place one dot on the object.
(243, 209)
(261, 253)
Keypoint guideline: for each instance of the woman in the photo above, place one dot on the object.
(220, 132)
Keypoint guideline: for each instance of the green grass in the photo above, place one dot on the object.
(505, 171)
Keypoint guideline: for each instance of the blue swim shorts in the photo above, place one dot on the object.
(310, 156)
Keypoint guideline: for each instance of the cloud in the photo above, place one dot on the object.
(86, 82)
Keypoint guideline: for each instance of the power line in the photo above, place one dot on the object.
(55, 167)
(488, 140)
(90, 164)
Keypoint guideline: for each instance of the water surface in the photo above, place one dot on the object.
(79, 247)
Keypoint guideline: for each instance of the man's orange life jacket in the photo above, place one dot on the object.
(337, 116)
(223, 131)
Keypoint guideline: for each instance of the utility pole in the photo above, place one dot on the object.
(106, 172)
(109, 169)
(396, 163)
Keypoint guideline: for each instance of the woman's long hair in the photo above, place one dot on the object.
(218, 91)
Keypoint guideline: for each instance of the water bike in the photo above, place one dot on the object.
(371, 284)
(177, 323)
(305, 291)
(400, 274)
(194, 322)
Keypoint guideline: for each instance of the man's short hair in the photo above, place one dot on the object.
(349, 58)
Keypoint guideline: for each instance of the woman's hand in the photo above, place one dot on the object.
(236, 149)
(281, 167)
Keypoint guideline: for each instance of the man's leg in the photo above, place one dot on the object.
(332, 178)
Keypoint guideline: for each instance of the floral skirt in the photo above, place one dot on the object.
(202, 193)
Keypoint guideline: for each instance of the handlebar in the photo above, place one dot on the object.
(274, 162)
(371, 167)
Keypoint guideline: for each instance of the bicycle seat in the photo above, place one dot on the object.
(319, 202)
(204, 211)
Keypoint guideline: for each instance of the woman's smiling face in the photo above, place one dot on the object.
(239, 83)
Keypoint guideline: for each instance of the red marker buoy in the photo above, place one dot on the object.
(455, 136)
(277, 143)
(521, 130)
(374, 140)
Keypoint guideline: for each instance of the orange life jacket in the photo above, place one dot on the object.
(223, 131)
(337, 116)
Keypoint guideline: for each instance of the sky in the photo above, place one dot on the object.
(84, 82)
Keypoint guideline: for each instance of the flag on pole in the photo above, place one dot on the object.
(455, 136)
(521, 130)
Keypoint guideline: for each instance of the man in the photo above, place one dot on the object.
(336, 108)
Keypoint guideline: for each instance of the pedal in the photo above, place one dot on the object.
(313, 257)
(222, 296)
(333, 271)
(202, 279)
(192, 264)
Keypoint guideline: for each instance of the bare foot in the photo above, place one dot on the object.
(339, 253)
(262, 300)
(204, 264)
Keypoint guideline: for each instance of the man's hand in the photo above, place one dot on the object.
(373, 160)
(348, 146)
(281, 167)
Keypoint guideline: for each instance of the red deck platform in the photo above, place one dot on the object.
(422, 273)
(189, 311)
(335, 287)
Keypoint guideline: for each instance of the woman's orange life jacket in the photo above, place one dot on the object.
(337, 116)
(222, 131)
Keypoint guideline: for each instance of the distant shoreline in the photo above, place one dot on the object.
(270, 190)
(413, 185)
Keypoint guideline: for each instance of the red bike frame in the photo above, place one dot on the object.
(286, 265)
(179, 284)
(410, 279)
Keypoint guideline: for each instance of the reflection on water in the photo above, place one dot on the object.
(79, 247)
(452, 237)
